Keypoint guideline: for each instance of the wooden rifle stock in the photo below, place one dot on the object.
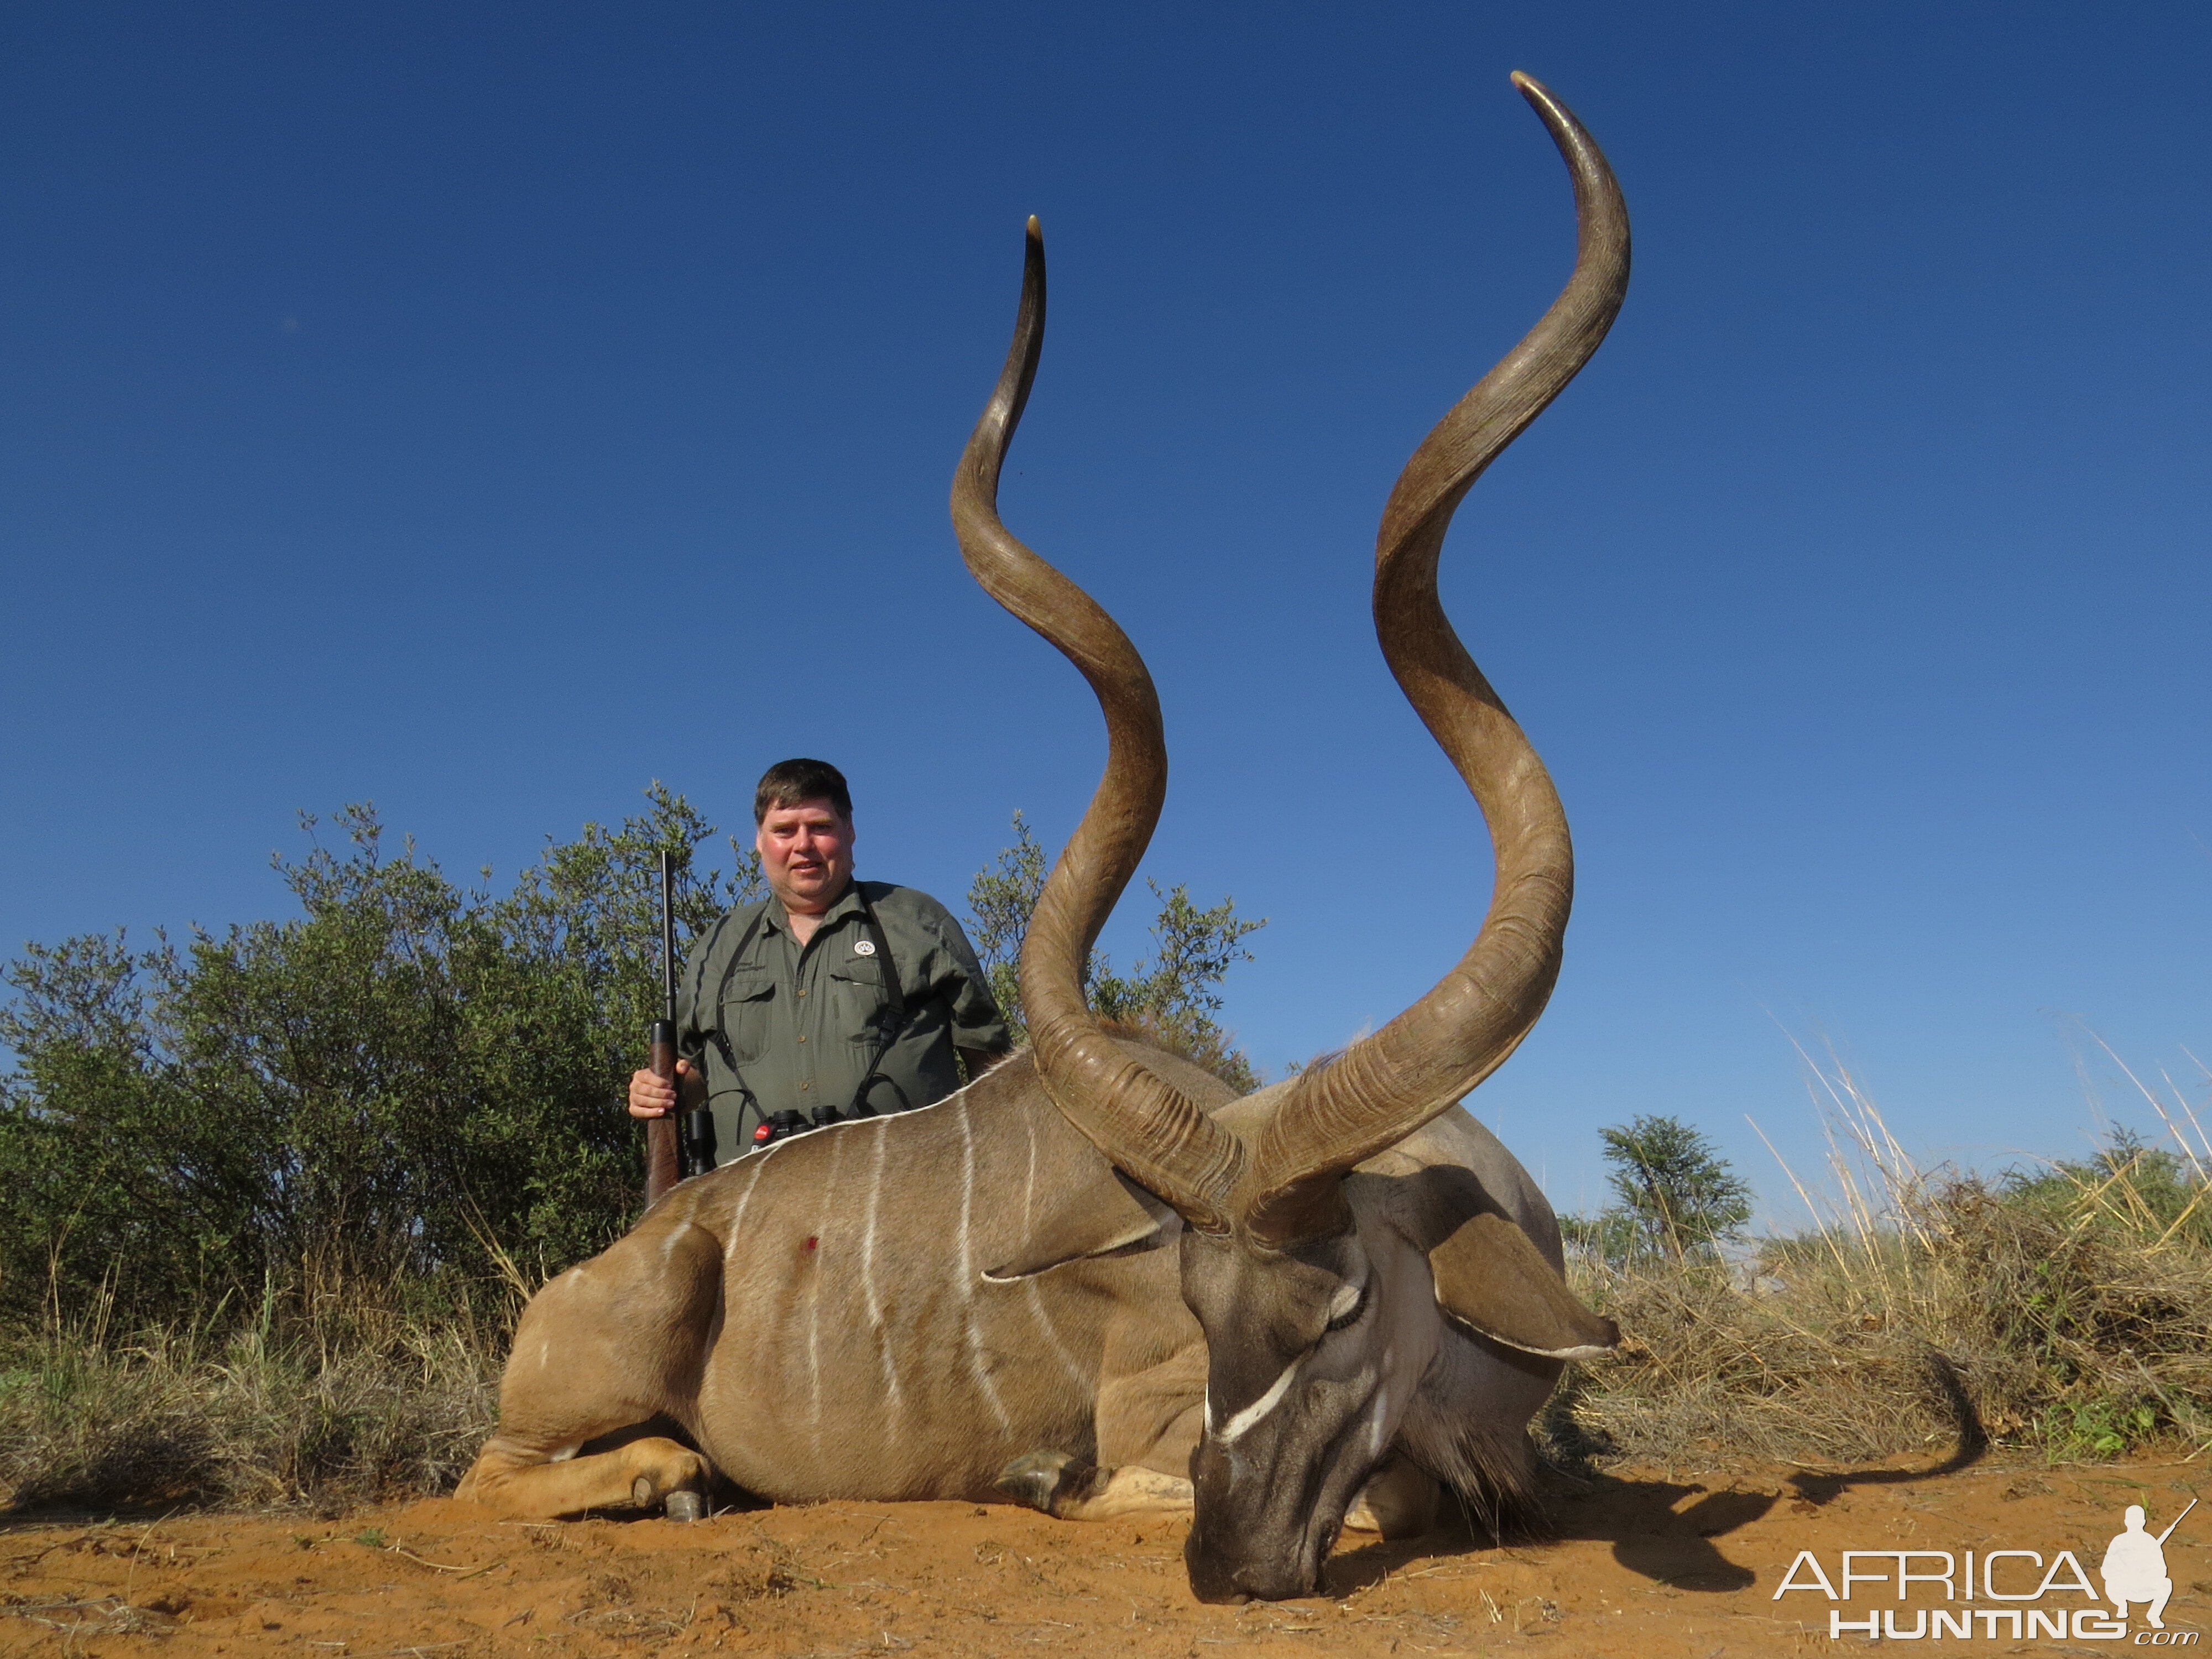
(663, 1168)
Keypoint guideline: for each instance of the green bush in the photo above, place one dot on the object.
(387, 1091)
(1171, 999)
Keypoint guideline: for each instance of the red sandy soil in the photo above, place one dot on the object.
(1644, 1562)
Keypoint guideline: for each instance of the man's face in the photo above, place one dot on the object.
(806, 854)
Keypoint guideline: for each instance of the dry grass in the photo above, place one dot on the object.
(327, 1409)
(2069, 1314)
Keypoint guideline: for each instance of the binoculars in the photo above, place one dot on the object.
(781, 1126)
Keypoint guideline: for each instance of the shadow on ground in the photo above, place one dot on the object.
(1665, 1530)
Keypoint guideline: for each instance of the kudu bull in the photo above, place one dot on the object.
(1092, 1280)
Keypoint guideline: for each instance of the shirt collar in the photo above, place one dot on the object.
(848, 905)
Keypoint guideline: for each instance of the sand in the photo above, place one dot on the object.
(1646, 1563)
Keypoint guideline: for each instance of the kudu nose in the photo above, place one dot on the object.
(1244, 1578)
(1213, 1578)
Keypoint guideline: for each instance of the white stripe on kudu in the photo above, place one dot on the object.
(966, 1269)
(737, 1217)
(1234, 1428)
(868, 1272)
(1035, 1292)
(831, 1188)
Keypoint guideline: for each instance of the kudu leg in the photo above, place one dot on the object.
(518, 1481)
(1071, 1490)
(607, 1345)
(1148, 1420)
(1399, 1500)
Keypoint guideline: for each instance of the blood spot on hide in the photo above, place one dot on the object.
(812, 1242)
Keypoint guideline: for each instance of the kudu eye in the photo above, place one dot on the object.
(1351, 1316)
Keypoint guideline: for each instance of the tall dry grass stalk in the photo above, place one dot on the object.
(2067, 1313)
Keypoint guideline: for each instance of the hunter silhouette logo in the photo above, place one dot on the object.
(2133, 1568)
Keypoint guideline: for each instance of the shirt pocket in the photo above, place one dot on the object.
(865, 1012)
(747, 1001)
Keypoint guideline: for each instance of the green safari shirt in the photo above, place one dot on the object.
(779, 1027)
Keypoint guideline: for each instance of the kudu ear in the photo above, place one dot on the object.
(1491, 1278)
(1100, 1217)
(1489, 1274)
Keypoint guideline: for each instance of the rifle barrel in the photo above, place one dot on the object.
(2177, 1519)
(664, 1153)
(668, 935)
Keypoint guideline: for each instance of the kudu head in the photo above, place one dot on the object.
(1319, 1303)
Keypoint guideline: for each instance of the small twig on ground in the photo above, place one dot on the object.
(440, 1566)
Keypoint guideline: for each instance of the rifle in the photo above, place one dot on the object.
(662, 1156)
(2177, 1519)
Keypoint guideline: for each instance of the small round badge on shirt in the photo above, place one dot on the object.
(864, 947)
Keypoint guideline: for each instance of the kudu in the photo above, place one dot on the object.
(1092, 1273)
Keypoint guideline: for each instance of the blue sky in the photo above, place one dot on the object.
(484, 410)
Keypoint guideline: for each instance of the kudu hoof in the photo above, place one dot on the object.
(1048, 1481)
(645, 1492)
(686, 1506)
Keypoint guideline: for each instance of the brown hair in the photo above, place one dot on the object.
(787, 783)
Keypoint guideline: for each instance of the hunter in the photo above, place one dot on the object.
(831, 998)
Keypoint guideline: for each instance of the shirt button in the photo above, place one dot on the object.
(802, 1039)
(806, 1086)
(802, 993)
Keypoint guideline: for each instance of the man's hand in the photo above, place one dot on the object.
(654, 1097)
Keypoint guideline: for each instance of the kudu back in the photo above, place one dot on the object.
(1092, 1280)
